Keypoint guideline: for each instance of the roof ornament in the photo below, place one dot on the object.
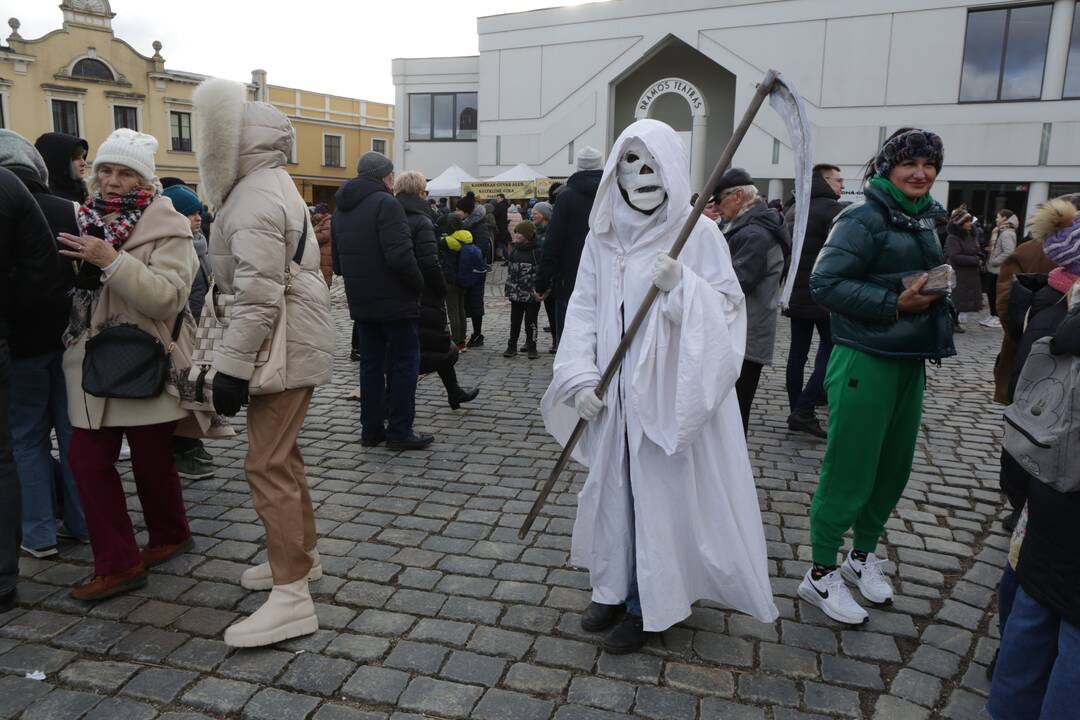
(14, 24)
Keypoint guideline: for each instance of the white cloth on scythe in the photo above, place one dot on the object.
(671, 425)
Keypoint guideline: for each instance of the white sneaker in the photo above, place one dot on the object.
(260, 577)
(990, 321)
(289, 612)
(867, 576)
(831, 595)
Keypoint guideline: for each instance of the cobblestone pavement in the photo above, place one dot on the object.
(432, 607)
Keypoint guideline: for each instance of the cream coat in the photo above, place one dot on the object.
(148, 289)
(243, 148)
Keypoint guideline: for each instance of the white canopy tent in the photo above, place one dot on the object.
(519, 172)
(448, 183)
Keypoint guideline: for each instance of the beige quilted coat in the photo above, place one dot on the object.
(242, 148)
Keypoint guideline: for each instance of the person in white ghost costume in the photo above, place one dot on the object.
(669, 513)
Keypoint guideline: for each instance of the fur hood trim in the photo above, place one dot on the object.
(219, 110)
(1051, 216)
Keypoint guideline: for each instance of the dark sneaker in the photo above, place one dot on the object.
(415, 441)
(203, 454)
(372, 441)
(156, 554)
(598, 617)
(63, 532)
(626, 637)
(510, 351)
(101, 587)
(40, 553)
(475, 341)
(190, 467)
(807, 424)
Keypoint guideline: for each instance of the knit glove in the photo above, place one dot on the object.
(586, 403)
(666, 273)
(229, 394)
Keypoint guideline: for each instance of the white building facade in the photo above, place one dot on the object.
(999, 81)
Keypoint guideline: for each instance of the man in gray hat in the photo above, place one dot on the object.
(373, 252)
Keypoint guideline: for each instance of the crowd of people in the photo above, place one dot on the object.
(135, 284)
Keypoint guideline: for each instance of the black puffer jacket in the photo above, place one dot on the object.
(566, 233)
(58, 149)
(1049, 567)
(434, 332)
(373, 251)
(824, 206)
(29, 269)
(757, 239)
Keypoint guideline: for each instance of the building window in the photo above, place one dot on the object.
(378, 145)
(1005, 53)
(180, 130)
(443, 116)
(125, 117)
(332, 151)
(65, 117)
(1072, 68)
(93, 69)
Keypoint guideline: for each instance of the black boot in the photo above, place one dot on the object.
(510, 351)
(598, 617)
(413, 441)
(457, 396)
(531, 349)
(626, 637)
(807, 424)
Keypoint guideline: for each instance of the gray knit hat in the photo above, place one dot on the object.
(17, 151)
(544, 208)
(374, 165)
(589, 158)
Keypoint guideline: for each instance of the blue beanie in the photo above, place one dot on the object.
(183, 199)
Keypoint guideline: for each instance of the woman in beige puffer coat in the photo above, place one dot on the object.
(260, 220)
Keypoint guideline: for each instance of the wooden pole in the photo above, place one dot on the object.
(763, 90)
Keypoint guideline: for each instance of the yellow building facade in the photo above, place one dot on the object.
(83, 80)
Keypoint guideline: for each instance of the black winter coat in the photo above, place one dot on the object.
(566, 233)
(476, 223)
(434, 331)
(47, 334)
(962, 252)
(501, 223)
(373, 252)
(57, 149)
(29, 265)
(824, 206)
(1049, 566)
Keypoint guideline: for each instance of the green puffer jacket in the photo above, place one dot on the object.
(871, 247)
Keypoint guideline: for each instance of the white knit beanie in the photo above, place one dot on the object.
(589, 158)
(131, 149)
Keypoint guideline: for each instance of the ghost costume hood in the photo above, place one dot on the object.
(670, 497)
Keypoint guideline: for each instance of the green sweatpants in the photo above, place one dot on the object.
(875, 406)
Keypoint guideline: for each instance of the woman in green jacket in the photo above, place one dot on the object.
(883, 333)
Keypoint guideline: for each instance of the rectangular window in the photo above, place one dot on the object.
(332, 156)
(125, 117)
(443, 116)
(180, 128)
(65, 117)
(378, 145)
(1072, 68)
(1005, 53)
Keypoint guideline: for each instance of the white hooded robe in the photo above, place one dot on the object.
(671, 425)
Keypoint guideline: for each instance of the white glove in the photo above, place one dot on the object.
(586, 403)
(666, 272)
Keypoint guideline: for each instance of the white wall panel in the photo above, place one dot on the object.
(519, 83)
(569, 66)
(795, 49)
(1065, 144)
(856, 61)
(925, 57)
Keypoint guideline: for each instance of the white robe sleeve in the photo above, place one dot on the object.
(693, 350)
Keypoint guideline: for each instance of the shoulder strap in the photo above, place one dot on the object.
(300, 246)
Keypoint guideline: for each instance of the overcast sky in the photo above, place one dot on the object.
(337, 46)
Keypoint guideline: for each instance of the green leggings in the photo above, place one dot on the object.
(875, 406)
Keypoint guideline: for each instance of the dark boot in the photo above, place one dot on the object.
(414, 441)
(533, 352)
(598, 617)
(456, 396)
(510, 351)
(807, 424)
(626, 637)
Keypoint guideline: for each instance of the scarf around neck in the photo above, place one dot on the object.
(912, 207)
(1062, 280)
(126, 209)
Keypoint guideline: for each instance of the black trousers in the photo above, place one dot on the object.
(989, 281)
(529, 311)
(10, 491)
(746, 388)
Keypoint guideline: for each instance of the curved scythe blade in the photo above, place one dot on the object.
(785, 100)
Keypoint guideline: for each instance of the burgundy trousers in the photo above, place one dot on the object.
(92, 456)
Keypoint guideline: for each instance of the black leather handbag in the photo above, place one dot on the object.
(126, 362)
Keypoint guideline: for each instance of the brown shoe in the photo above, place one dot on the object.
(101, 587)
(156, 554)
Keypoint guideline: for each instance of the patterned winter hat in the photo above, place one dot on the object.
(1063, 246)
(912, 144)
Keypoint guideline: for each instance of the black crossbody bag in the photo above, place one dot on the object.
(123, 361)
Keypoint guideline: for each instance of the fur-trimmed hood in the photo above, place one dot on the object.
(234, 137)
(1050, 217)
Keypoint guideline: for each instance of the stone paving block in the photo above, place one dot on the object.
(917, 687)
(380, 622)
(832, 700)
(316, 674)
(158, 685)
(448, 699)
(92, 635)
(103, 676)
(578, 712)
(364, 594)
(359, 648)
(471, 610)
(717, 709)
(205, 621)
(850, 672)
(724, 650)
(416, 657)
(807, 636)
(17, 692)
(149, 644)
(536, 680)
(25, 658)
(602, 693)
(869, 646)
(564, 653)
(342, 712)
(635, 667)
(214, 595)
(789, 661)
(219, 697)
(960, 614)
(449, 632)
(121, 709)
(416, 602)
(934, 662)
(37, 625)
(769, 690)
(948, 637)
(375, 685)
(699, 679)
(156, 613)
(505, 705)
(274, 704)
(962, 705)
(258, 665)
(493, 641)
(663, 704)
(889, 707)
(199, 654)
(67, 704)
(538, 620)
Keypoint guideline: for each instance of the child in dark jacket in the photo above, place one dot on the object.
(522, 268)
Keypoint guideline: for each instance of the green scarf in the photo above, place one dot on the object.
(913, 208)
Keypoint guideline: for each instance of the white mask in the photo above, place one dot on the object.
(639, 178)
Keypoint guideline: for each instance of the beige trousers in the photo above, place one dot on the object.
(275, 473)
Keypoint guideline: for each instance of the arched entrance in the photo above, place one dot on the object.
(699, 112)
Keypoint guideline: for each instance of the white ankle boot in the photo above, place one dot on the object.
(287, 613)
(260, 577)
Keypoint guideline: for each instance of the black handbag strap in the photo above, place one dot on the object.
(300, 246)
(178, 324)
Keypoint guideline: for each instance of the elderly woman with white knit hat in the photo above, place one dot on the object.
(136, 265)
